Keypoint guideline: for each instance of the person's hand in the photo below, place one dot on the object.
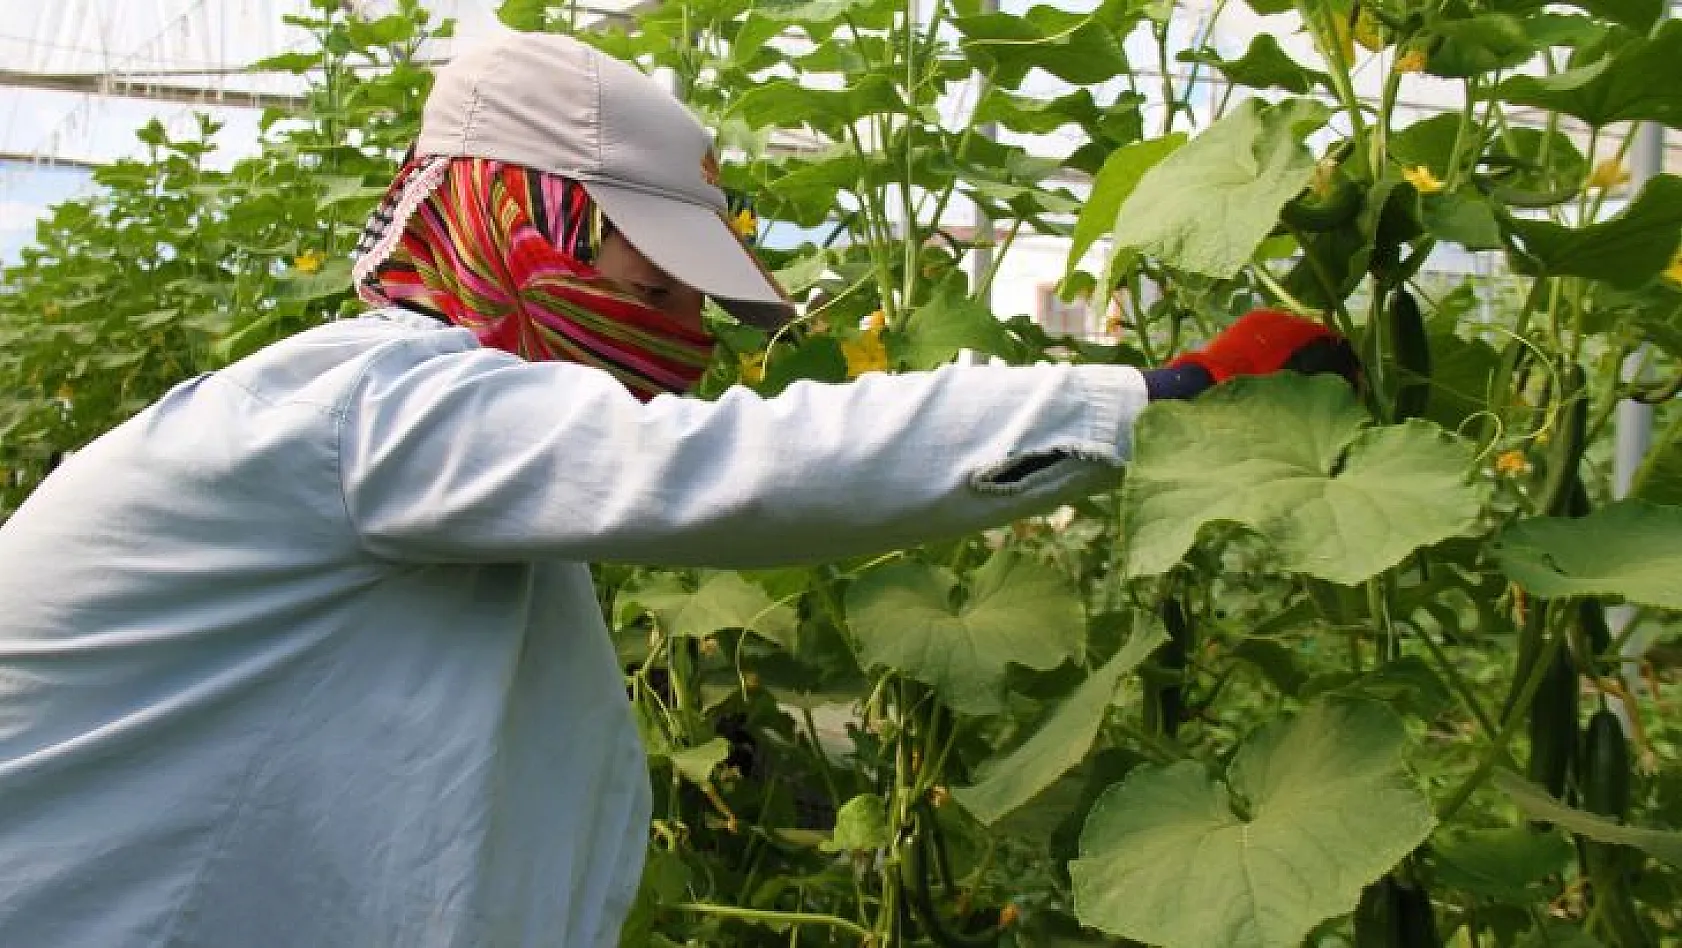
(1264, 341)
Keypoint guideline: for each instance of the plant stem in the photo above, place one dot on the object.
(1457, 681)
(774, 918)
(823, 758)
(1509, 726)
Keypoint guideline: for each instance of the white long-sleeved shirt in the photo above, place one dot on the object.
(306, 654)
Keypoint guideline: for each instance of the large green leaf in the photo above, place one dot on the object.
(785, 103)
(1206, 207)
(1112, 186)
(1631, 549)
(1625, 251)
(951, 321)
(1638, 15)
(1506, 864)
(1479, 44)
(1659, 479)
(1036, 115)
(1313, 809)
(1017, 612)
(1288, 457)
(1007, 782)
(1537, 803)
(1625, 86)
(722, 600)
(1265, 65)
(1075, 47)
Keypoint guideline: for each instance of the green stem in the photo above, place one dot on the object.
(1457, 681)
(775, 918)
(823, 758)
(1509, 726)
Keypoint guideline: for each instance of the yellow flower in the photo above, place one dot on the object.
(1422, 179)
(1367, 32)
(752, 367)
(865, 353)
(876, 320)
(1512, 464)
(1411, 61)
(745, 224)
(1673, 273)
(309, 261)
(1607, 174)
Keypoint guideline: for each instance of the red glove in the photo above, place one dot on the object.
(1263, 341)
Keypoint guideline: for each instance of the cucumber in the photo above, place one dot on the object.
(1603, 776)
(1565, 453)
(1553, 725)
(1412, 350)
(1324, 207)
(1376, 922)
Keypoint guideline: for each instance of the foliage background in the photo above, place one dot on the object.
(1335, 677)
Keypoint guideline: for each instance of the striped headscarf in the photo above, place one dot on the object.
(507, 252)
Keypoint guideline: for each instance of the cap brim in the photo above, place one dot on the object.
(695, 244)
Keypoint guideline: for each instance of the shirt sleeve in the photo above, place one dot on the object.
(478, 456)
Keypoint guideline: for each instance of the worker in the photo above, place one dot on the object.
(307, 652)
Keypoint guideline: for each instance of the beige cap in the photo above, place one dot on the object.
(556, 105)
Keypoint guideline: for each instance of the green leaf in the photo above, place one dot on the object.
(1621, 87)
(1631, 549)
(1479, 44)
(1638, 15)
(332, 279)
(1502, 864)
(696, 764)
(1625, 251)
(1659, 479)
(1036, 115)
(1558, 934)
(819, 359)
(722, 600)
(1074, 47)
(1538, 804)
(1112, 186)
(1206, 207)
(295, 63)
(1005, 783)
(951, 321)
(1287, 456)
(860, 824)
(1018, 612)
(1314, 807)
(1265, 65)
(785, 103)
(1462, 217)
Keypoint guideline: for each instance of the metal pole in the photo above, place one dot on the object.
(1634, 420)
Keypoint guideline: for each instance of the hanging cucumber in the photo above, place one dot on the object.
(1412, 350)
(1553, 725)
(1603, 779)
(1392, 914)
(1604, 776)
(1565, 453)
(1376, 922)
(1330, 201)
(1416, 920)
(914, 875)
(1165, 698)
(1591, 618)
